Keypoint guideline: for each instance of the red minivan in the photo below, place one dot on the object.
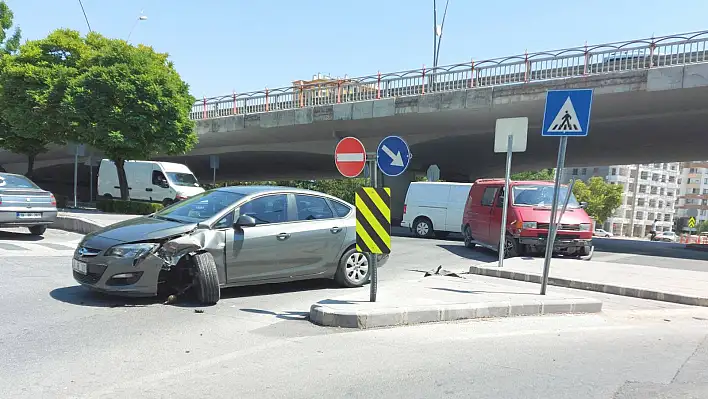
(527, 221)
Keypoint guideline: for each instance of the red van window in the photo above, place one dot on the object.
(488, 196)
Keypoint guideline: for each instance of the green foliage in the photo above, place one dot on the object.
(128, 207)
(32, 85)
(603, 198)
(130, 103)
(702, 226)
(340, 188)
(543, 174)
(8, 44)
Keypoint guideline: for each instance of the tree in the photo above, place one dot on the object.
(543, 174)
(8, 44)
(32, 85)
(130, 103)
(602, 198)
(702, 226)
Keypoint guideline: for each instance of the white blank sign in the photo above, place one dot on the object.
(517, 127)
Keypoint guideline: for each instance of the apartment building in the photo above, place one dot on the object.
(693, 190)
(649, 192)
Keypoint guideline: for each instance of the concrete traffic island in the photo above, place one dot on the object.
(686, 287)
(86, 222)
(436, 299)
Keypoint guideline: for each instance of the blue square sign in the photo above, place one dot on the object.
(567, 113)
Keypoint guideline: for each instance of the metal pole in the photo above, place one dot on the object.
(76, 172)
(90, 180)
(213, 179)
(550, 240)
(374, 279)
(507, 176)
(435, 33)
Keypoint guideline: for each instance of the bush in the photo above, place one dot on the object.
(62, 201)
(128, 207)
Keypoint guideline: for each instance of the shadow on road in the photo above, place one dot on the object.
(478, 253)
(476, 292)
(14, 236)
(77, 295)
(294, 316)
(647, 248)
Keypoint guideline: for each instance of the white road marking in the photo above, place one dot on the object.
(350, 157)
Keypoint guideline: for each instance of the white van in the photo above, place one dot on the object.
(153, 181)
(435, 208)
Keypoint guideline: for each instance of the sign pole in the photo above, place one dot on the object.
(76, 173)
(374, 276)
(552, 227)
(507, 177)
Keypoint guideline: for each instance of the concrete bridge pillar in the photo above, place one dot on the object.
(399, 188)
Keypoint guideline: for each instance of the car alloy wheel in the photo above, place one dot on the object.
(357, 267)
(422, 228)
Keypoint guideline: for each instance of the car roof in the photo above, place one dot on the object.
(252, 190)
(513, 182)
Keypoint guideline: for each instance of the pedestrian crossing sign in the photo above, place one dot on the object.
(567, 113)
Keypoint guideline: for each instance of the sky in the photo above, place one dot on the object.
(221, 46)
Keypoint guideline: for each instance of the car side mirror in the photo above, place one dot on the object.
(245, 221)
(583, 204)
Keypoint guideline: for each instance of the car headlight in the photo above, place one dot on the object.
(131, 250)
(585, 227)
(529, 225)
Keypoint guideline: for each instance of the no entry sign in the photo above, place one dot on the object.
(350, 157)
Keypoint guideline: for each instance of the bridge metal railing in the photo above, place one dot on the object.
(607, 58)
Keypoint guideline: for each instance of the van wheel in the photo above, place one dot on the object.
(108, 196)
(208, 291)
(469, 243)
(511, 247)
(423, 228)
(38, 230)
(167, 202)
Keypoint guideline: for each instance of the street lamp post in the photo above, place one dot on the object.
(137, 21)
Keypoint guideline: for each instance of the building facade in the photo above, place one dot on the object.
(649, 193)
(693, 190)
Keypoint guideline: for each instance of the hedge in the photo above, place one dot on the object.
(128, 207)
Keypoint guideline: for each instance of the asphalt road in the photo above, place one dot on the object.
(58, 340)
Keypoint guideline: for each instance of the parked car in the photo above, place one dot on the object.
(527, 221)
(230, 236)
(435, 208)
(666, 236)
(152, 181)
(24, 204)
(602, 233)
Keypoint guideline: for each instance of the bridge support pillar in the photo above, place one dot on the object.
(399, 188)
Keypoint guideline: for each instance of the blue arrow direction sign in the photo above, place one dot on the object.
(567, 113)
(393, 156)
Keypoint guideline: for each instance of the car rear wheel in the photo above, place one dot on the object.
(38, 230)
(354, 269)
(167, 202)
(423, 228)
(208, 291)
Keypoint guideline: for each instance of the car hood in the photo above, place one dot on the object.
(543, 215)
(189, 191)
(143, 229)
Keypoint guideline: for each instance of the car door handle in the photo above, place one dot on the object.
(282, 236)
(148, 189)
(335, 230)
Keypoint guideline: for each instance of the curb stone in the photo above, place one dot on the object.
(75, 224)
(589, 286)
(324, 315)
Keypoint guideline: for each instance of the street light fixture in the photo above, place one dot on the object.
(140, 18)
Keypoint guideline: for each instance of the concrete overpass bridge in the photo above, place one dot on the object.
(649, 106)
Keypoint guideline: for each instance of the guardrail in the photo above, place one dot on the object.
(641, 54)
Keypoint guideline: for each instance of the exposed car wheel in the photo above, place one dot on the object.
(38, 230)
(423, 228)
(208, 291)
(354, 269)
(108, 196)
(469, 243)
(511, 247)
(167, 202)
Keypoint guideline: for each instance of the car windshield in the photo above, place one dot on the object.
(541, 195)
(199, 207)
(12, 181)
(183, 179)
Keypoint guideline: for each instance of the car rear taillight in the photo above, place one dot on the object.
(180, 197)
(404, 208)
(53, 199)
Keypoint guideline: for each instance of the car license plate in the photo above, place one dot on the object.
(79, 266)
(29, 215)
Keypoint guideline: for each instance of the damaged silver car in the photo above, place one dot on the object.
(226, 237)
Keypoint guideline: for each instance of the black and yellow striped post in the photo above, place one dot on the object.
(373, 226)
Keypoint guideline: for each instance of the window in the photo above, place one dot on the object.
(267, 209)
(575, 171)
(667, 217)
(662, 191)
(158, 178)
(310, 207)
(640, 215)
(183, 179)
(628, 214)
(225, 222)
(705, 181)
(584, 171)
(657, 165)
(488, 196)
(16, 181)
(640, 201)
(613, 172)
(672, 179)
(500, 198)
(340, 208)
(652, 203)
(199, 207)
(642, 188)
(595, 170)
(661, 204)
